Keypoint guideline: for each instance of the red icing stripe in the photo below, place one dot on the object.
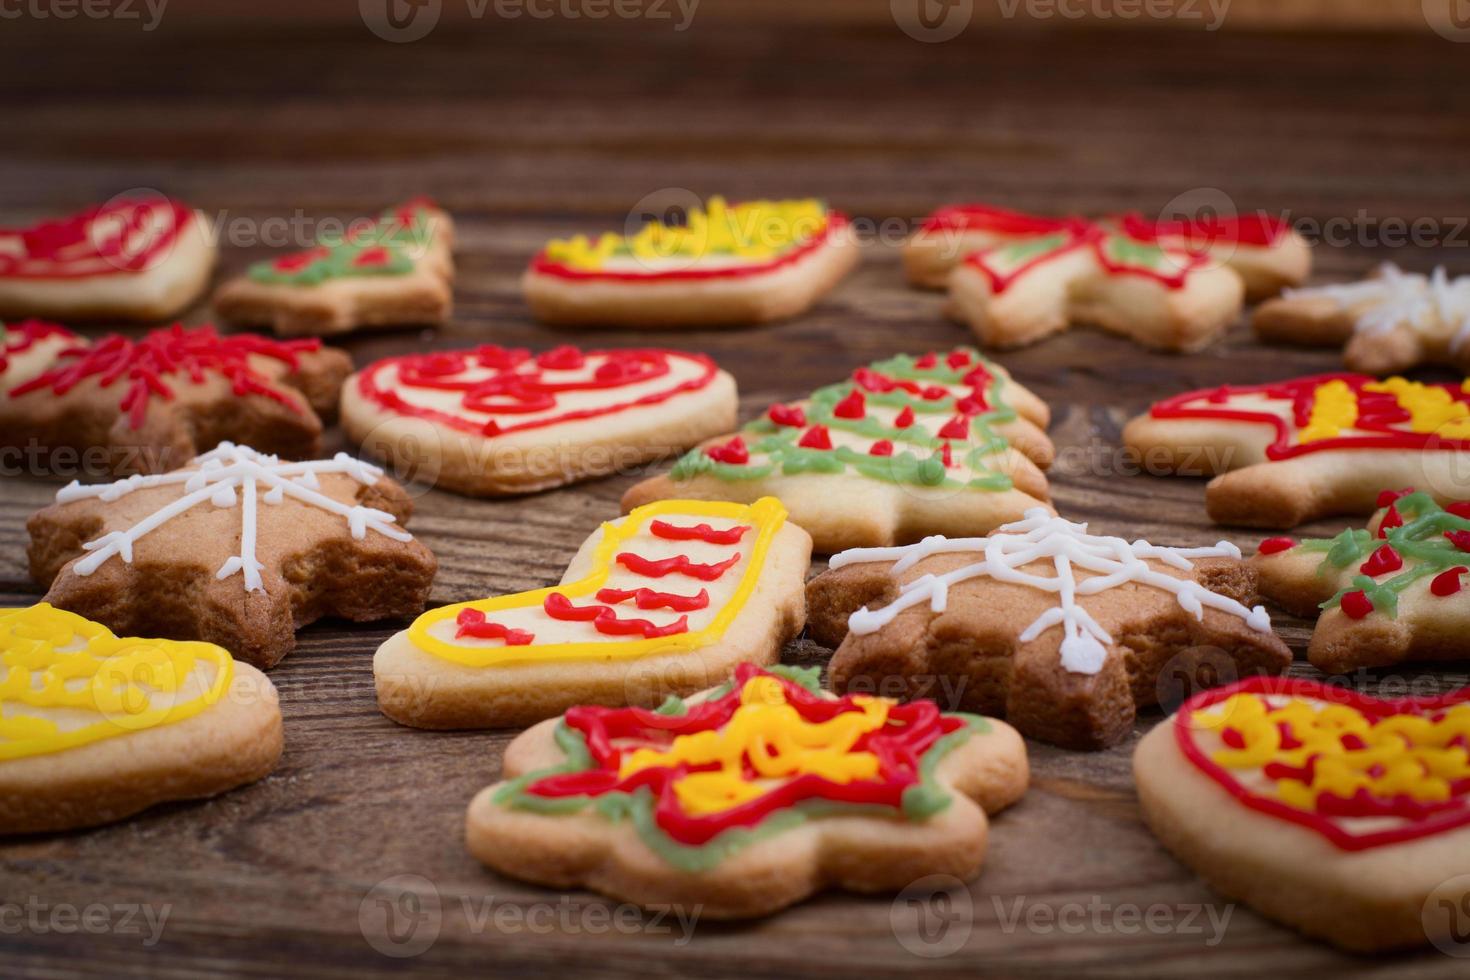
(699, 532)
(653, 599)
(112, 239)
(835, 222)
(605, 619)
(472, 622)
(675, 565)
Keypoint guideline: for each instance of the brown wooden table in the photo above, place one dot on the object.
(524, 130)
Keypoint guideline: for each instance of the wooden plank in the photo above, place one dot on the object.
(527, 132)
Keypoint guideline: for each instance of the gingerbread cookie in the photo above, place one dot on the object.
(1292, 451)
(396, 270)
(728, 265)
(1264, 251)
(664, 601)
(95, 727)
(1391, 322)
(908, 446)
(1387, 594)
(1062, 632)
(748, 797)
(1339, 814)
(152, 404)
(492, 421)
(237, 547)
(124, 260)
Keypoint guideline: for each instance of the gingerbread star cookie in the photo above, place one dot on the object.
(724, 265)
(906, 447)
(1389, 323)
(1292, 451)
(129, 259)
(493, 421)
(394, 270)
(664, 601)
(1342, 815)
(236, 548)
(150, 405)
(1388, 593)
(1064, 633)
(749, 797)
(95, 727)
(1263, 251)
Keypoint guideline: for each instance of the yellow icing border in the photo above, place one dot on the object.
(24, 735)
(766, 514)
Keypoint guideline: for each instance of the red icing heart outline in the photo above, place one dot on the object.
(108, 239)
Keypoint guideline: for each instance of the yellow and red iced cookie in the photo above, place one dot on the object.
(941, 443)
(748, 797)
(664, 601)
(129, 259)
(1388, 593)
(1290, 451)
(491, 421)
(95, 727)
(1343, 815)
(393, 270)
(726, 265)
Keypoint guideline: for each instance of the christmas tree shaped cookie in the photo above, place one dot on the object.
(748, 797)
(908, 446)
(396, 270)
(1388, 593)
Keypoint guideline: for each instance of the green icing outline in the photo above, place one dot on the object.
(1420, 541)
(338, 263)
(920, 801)
(905, 466)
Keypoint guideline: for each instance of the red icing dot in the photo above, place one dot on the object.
(1391, 519)
(957, 359)
(791, 415)
(970, 405)
(933, 393)
(946, 456)
(369, 257)
(1353, 742)
(1232, 738)
(977, 378)
(1382, 561)
(1273, 545)
(1387, 497)
(1356, 605)
(817, 437)
(926, 361)
(851, 407)
(733, 452)
(1447, 582)
(1460, 539)
(956, 428)
(564, 358)
(882, 447)
(1461, 509)
(299, 260)
(905, 418)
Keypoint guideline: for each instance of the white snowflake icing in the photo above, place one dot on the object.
(1040, 536)
(230, 476)
(1394, 297)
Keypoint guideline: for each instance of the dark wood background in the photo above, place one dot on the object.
(524, 130)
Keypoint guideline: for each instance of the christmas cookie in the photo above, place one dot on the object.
(1062, 632)
(1339, 814)
(150, 405)
(748, 797)
(728, 265)
(1391, 322)
(941, 443)
(492, 421)
(1151, 290)
(1387, 593)
(1264, 251)
(665, 600)
(393, 271)
(96, 727)
(1292, 451)
(237, 547)
(29, 348)
(125, 260)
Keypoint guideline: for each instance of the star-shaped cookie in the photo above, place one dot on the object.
(1064, 633)
(1388, 593)
(152, 404)
(237, 548)
(1391, 322)
(748, 797)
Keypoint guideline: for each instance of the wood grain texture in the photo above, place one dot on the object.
(522, 131)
